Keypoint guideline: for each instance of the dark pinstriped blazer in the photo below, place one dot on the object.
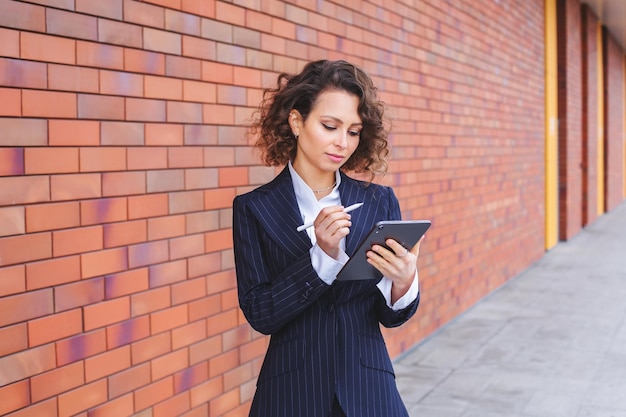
(325, 340)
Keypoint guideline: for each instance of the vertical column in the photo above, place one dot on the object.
(551, 146)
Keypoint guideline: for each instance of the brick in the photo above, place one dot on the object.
(71, 25)
(200, 135)
(148, 253)
(169, 364)
(220, 282)
(144, 62)
(12, 221)
(12, 280)
(50, 160)
(217, 72)
(14, 396)
(52, 272)
(144, 158)
(26, 364)
(162, 41)
(164, 134)
(150, 301)
(224, 403)
(126, 283)
(144, 14)
(145, 110)
(110, 9)
(187, 246)
(128, 331)
(129, 380)
(75, 186)
(166, 227)
(122, 406)
(83, 398)
(196, 179)
(103, 210)
(96, 55)
(45, 408)
(237, 376)
(205, 8)
(107, 363)
(216, 156)
(218, 114)
(80, 347)
(203, 308)
(23, 16)
(23, 132)
(186, 202)
(168, 319)
(225, 12)
(221, 322)
(78, 294)
(26, 248)
(199, 91)
(52, 216)
(144, 206)
(218, 198)
(47, 48)
(92, 106)
(123, 183)
(124, 233)
(122, 133)
(232, 176)
(180, 112)
(163, 181)
(121, 83)
(150, 348)
(54, 327)
(9, 43)
(205, 392)
(10, 102)
(182, 67)
(73, 241)
(102, 159)
(14, 339)
(153, 393)
(203, 221)
(119, 33)
(167, 273)
(70, 78)
(203, 49)
(74, 133)
(104, 262)
(106, 313)
(186, 23)
(163, 88)
(48, 104)
(188, 334)
(11, 161)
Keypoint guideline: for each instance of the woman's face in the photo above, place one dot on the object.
(329, 136)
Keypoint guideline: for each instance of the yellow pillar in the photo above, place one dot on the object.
(600, 173)
(551, 128)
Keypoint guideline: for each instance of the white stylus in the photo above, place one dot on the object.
(346, 210)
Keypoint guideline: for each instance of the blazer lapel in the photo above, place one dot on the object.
(277, 210)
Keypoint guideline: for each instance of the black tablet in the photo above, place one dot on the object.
(405, 232)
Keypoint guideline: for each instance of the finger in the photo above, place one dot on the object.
(415, 250)
(397, 248)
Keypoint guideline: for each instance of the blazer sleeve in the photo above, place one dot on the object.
(386, 315)
(269, 299)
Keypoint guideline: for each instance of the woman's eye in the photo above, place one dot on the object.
(328, 127)
(354, 133)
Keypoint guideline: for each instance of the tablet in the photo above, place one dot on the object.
(405, 232)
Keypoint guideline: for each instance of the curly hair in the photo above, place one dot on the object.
(301, 91)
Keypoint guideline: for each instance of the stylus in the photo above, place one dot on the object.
(346, 210)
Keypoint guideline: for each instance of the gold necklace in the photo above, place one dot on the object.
(325, 189)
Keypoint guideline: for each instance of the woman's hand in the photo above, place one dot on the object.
(331, 225)
(398, 264)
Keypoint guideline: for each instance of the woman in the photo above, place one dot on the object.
(326, 355)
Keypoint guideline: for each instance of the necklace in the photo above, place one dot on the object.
(321, 190)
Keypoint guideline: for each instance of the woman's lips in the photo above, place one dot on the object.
(335, 158)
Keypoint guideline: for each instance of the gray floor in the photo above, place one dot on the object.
(549, 343)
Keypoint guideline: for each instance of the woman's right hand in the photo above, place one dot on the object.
(331, 225)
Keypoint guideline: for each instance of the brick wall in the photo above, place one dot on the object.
(614, 122)
(590, 125)
(122, 147)
(570, 107)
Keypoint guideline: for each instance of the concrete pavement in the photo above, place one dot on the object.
(551, 342)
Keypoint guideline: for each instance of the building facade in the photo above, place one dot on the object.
(123, 143)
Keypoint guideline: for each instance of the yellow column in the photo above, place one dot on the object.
(600, 174)
(551, 128)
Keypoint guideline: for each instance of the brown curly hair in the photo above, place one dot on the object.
(275, 138)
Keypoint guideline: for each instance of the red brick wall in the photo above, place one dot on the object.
(122, 147)
(614, 122)
(590, 132)
(570, 115)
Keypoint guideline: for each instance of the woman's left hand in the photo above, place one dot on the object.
(398, 264)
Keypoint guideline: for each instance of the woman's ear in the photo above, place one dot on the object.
(295, 122)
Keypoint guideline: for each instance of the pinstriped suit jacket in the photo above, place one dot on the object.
(325, 340)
